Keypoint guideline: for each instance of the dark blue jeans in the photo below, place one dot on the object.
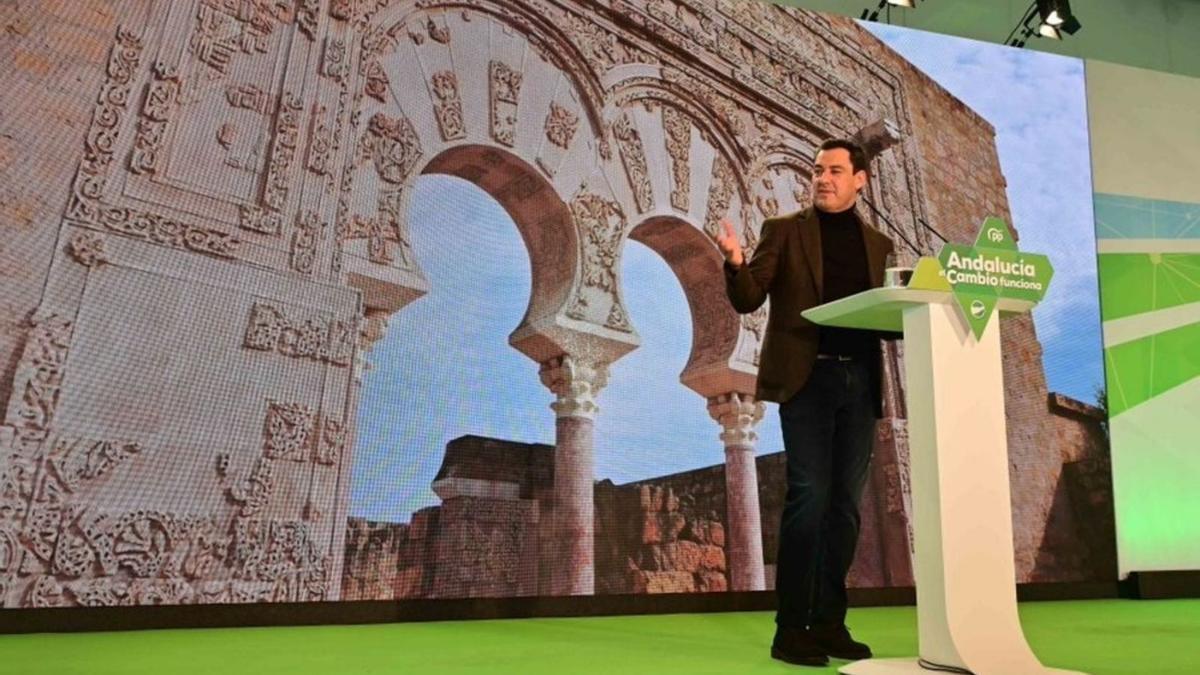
(828, 430)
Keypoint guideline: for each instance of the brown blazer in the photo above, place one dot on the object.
(787, 267)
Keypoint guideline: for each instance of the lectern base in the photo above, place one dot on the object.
(911, 667)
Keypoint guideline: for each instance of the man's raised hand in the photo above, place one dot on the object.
(727, 241)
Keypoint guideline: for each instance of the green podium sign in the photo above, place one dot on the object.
(980, 275)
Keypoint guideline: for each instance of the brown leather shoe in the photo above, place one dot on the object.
(835, 641)
(797, 646)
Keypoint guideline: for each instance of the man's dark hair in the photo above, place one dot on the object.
(858, 157)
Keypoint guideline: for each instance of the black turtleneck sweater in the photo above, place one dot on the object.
(844, 268)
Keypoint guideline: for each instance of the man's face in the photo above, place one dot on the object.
(835, 184)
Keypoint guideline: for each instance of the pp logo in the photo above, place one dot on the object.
(995, 235)
(977, 309)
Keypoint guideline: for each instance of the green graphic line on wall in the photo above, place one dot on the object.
(1149, 273)
(1141, 369)
(1136, 283)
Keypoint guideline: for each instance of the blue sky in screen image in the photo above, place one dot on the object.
(445, 369)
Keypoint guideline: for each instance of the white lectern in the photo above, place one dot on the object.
(962, 517)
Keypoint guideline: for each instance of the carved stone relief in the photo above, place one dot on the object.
(18, 472)
(305, 238)
(448, 106)
(283, 150)
(392, 227)
(259, 220)
(162, 96)
(386, 233)
(102, 135)
(720, 192)
(272, 328)
(342, 10)
(224, 28)
(393, 145)
(332, 443)
(726, 110)
(561, 125)
(601, 48)
(76, 460)
(87, 249)
(376, 82)
(249, 97)
(39, 375)
(244, 151)
(10, 552)
(156, 557)
(253, 492)
(765, 200)
(169, 232)
(801, 190)
(603, 225)
(288, 430)
(320, 143)
(307, 17)
(749, 236)
(281, 553)
(325, 137)
(87, 203)
(679, 141)
(437, 32)
(335, 62)
(504, 95)
(633, 156)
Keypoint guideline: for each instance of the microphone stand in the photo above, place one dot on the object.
(895, 229)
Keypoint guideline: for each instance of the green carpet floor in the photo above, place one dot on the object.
(1099, 636)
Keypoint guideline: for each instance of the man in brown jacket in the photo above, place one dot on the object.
(828, 384)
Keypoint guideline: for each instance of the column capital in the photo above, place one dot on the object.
(738, 414)
(576, 382)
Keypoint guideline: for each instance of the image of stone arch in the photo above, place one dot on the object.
(214, 234)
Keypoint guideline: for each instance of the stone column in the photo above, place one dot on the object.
(576, 383)
(738, 414)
